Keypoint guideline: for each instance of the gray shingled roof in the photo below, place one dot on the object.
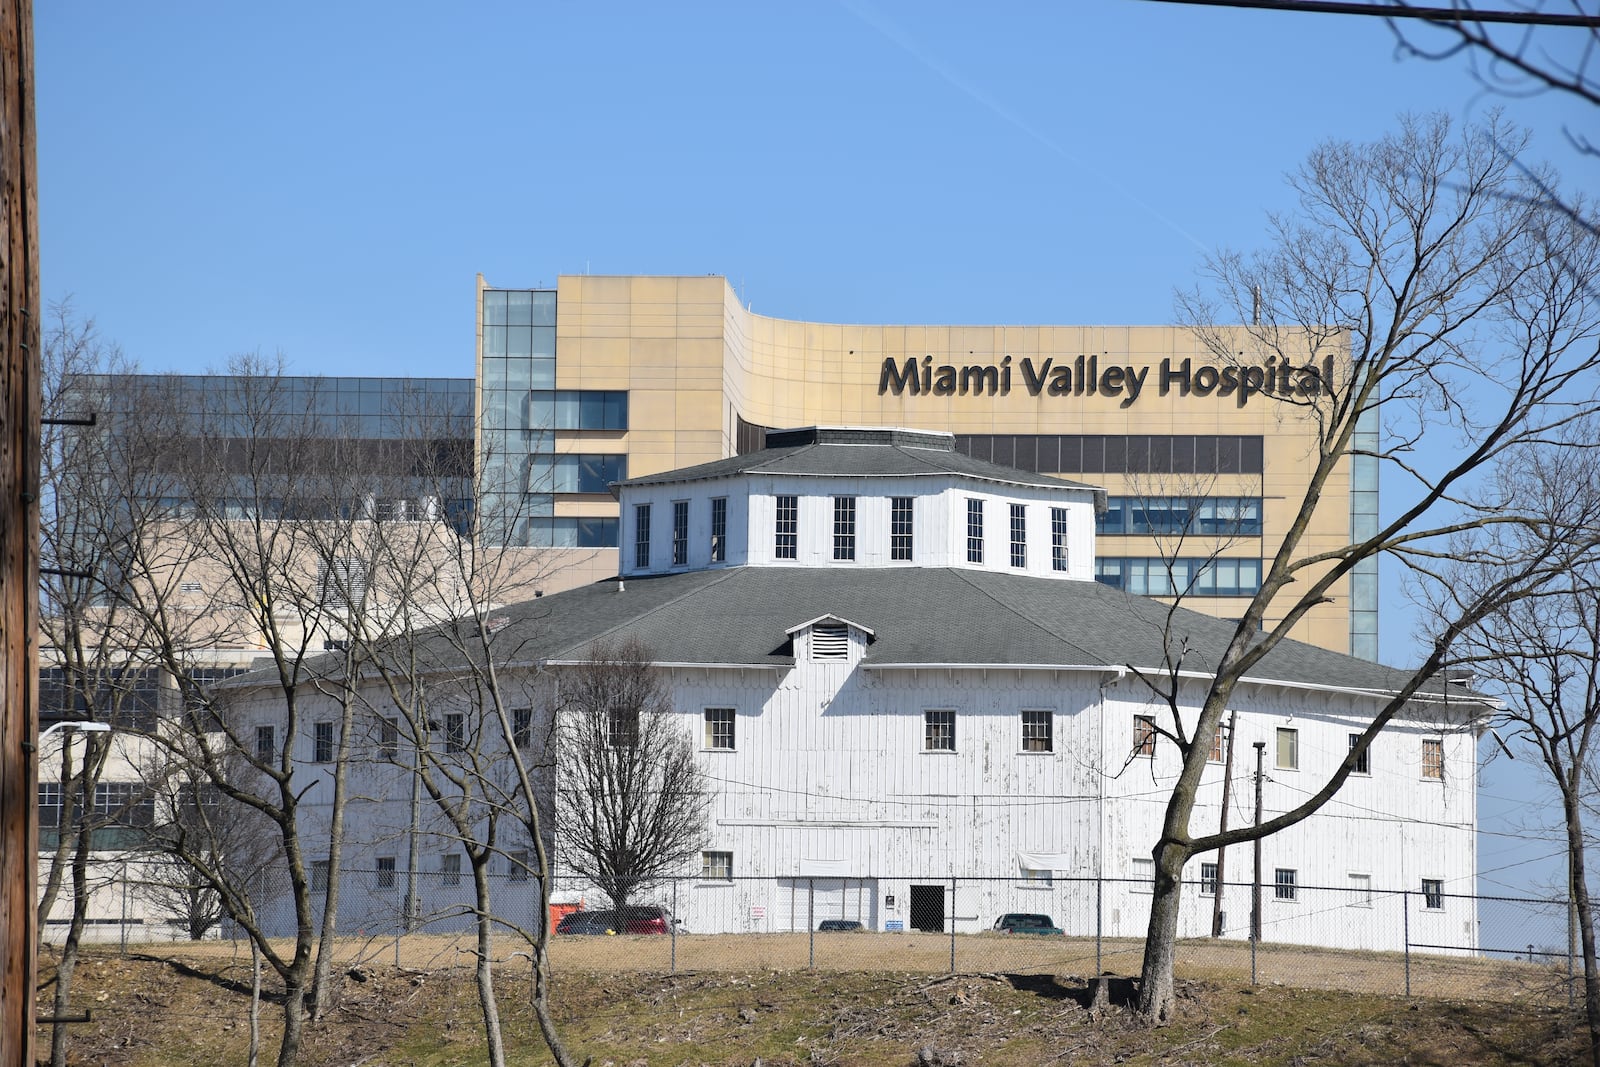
(852, 452)
(920, 616)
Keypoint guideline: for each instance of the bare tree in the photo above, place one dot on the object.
(1456, 310)
(630, 799)
(476, 753)
(1541, 655)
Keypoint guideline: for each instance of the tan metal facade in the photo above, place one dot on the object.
(695, 363)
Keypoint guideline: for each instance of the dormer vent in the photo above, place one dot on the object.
(830, 640)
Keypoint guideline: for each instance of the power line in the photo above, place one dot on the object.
(1405, 11)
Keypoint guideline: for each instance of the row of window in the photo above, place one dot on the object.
(120, 803)
(451, 727)
(1286, 748)
(680, 533)
(1216, 516)
(1183, 576)
(1286, 884)
(576, 473)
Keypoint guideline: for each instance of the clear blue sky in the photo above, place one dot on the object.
(325, 180)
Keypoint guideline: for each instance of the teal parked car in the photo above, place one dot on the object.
(1022, 922)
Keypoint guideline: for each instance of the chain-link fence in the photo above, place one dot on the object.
(1422, 942)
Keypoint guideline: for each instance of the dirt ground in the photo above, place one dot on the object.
(1449, 977)
(192, 1008)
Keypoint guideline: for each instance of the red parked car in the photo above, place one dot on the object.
(648, 919)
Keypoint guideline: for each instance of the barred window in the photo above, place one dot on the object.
(385, 879)
(1144, 735)
(517, 865)
(844, 527)
(641, 536)
(321, 742)
(680, 532)
(1019, 535)
(1036, 731)
(974, 530)
(1363, 761)
(266, 743)
(938, 731)
(389, 738)
(455, 732)
(522, 727)
(450, 870)
(622, 727)
(900, 528)
(319, 875)
(1285, 883)
(787, 530)
(1433, 893)
(1058, 539)
(1433, 757)
(1208, 879)
(719, 728)
(719, 530)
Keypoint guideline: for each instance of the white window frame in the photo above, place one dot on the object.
(1208, 877)
(1047, 717)
(1292, 735)
(943, 729)
(1144, 874)
(1286, 884)
(1361, 890)
(713, 731)
(716, 865)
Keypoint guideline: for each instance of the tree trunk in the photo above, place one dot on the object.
(1156, 1000)
(541, 1009)
(254, 1057)
(61, 859)
(1578, 886)
(330, 900)
(294, 1017)
(59, 1036)
(486, 998)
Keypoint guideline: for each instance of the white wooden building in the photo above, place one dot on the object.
(917, 708)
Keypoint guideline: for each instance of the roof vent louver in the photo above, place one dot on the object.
(830, 640)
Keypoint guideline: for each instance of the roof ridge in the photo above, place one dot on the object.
(967, 576)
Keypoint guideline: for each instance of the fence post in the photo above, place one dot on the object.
(1405, 926)
(1099, 908)
(952, 924)
(399, 919)
(1572, 944)
(811, 923)
(1253, 939)
(673, 926)
(125, 908)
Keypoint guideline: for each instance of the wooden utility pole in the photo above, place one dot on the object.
(1222, 853)
(19, 529)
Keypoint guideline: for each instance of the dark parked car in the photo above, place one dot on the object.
(1021, 922)
(648, 919)
(840, 926)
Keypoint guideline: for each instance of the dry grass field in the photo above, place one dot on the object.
(1457, 977)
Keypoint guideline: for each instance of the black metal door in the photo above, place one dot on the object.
(927, 908)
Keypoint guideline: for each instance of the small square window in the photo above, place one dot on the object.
(1036, 731)
(522, 727)
(1363, 762)
(716, 866)
(1288, 751)
(266, 744)
(1361, 890)
(517, 865)
(938, 731)
(1433, 893)
(1208, 879)
(1433, 758)
(1144, 875)
(1144, 735)
(1037, 878)
(385, 872)
(786, 531)
(455, 732)
(622, 727)
(1285, 883)
(450, 870)
(1216, 753)
(719, 728)
(319, 875)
